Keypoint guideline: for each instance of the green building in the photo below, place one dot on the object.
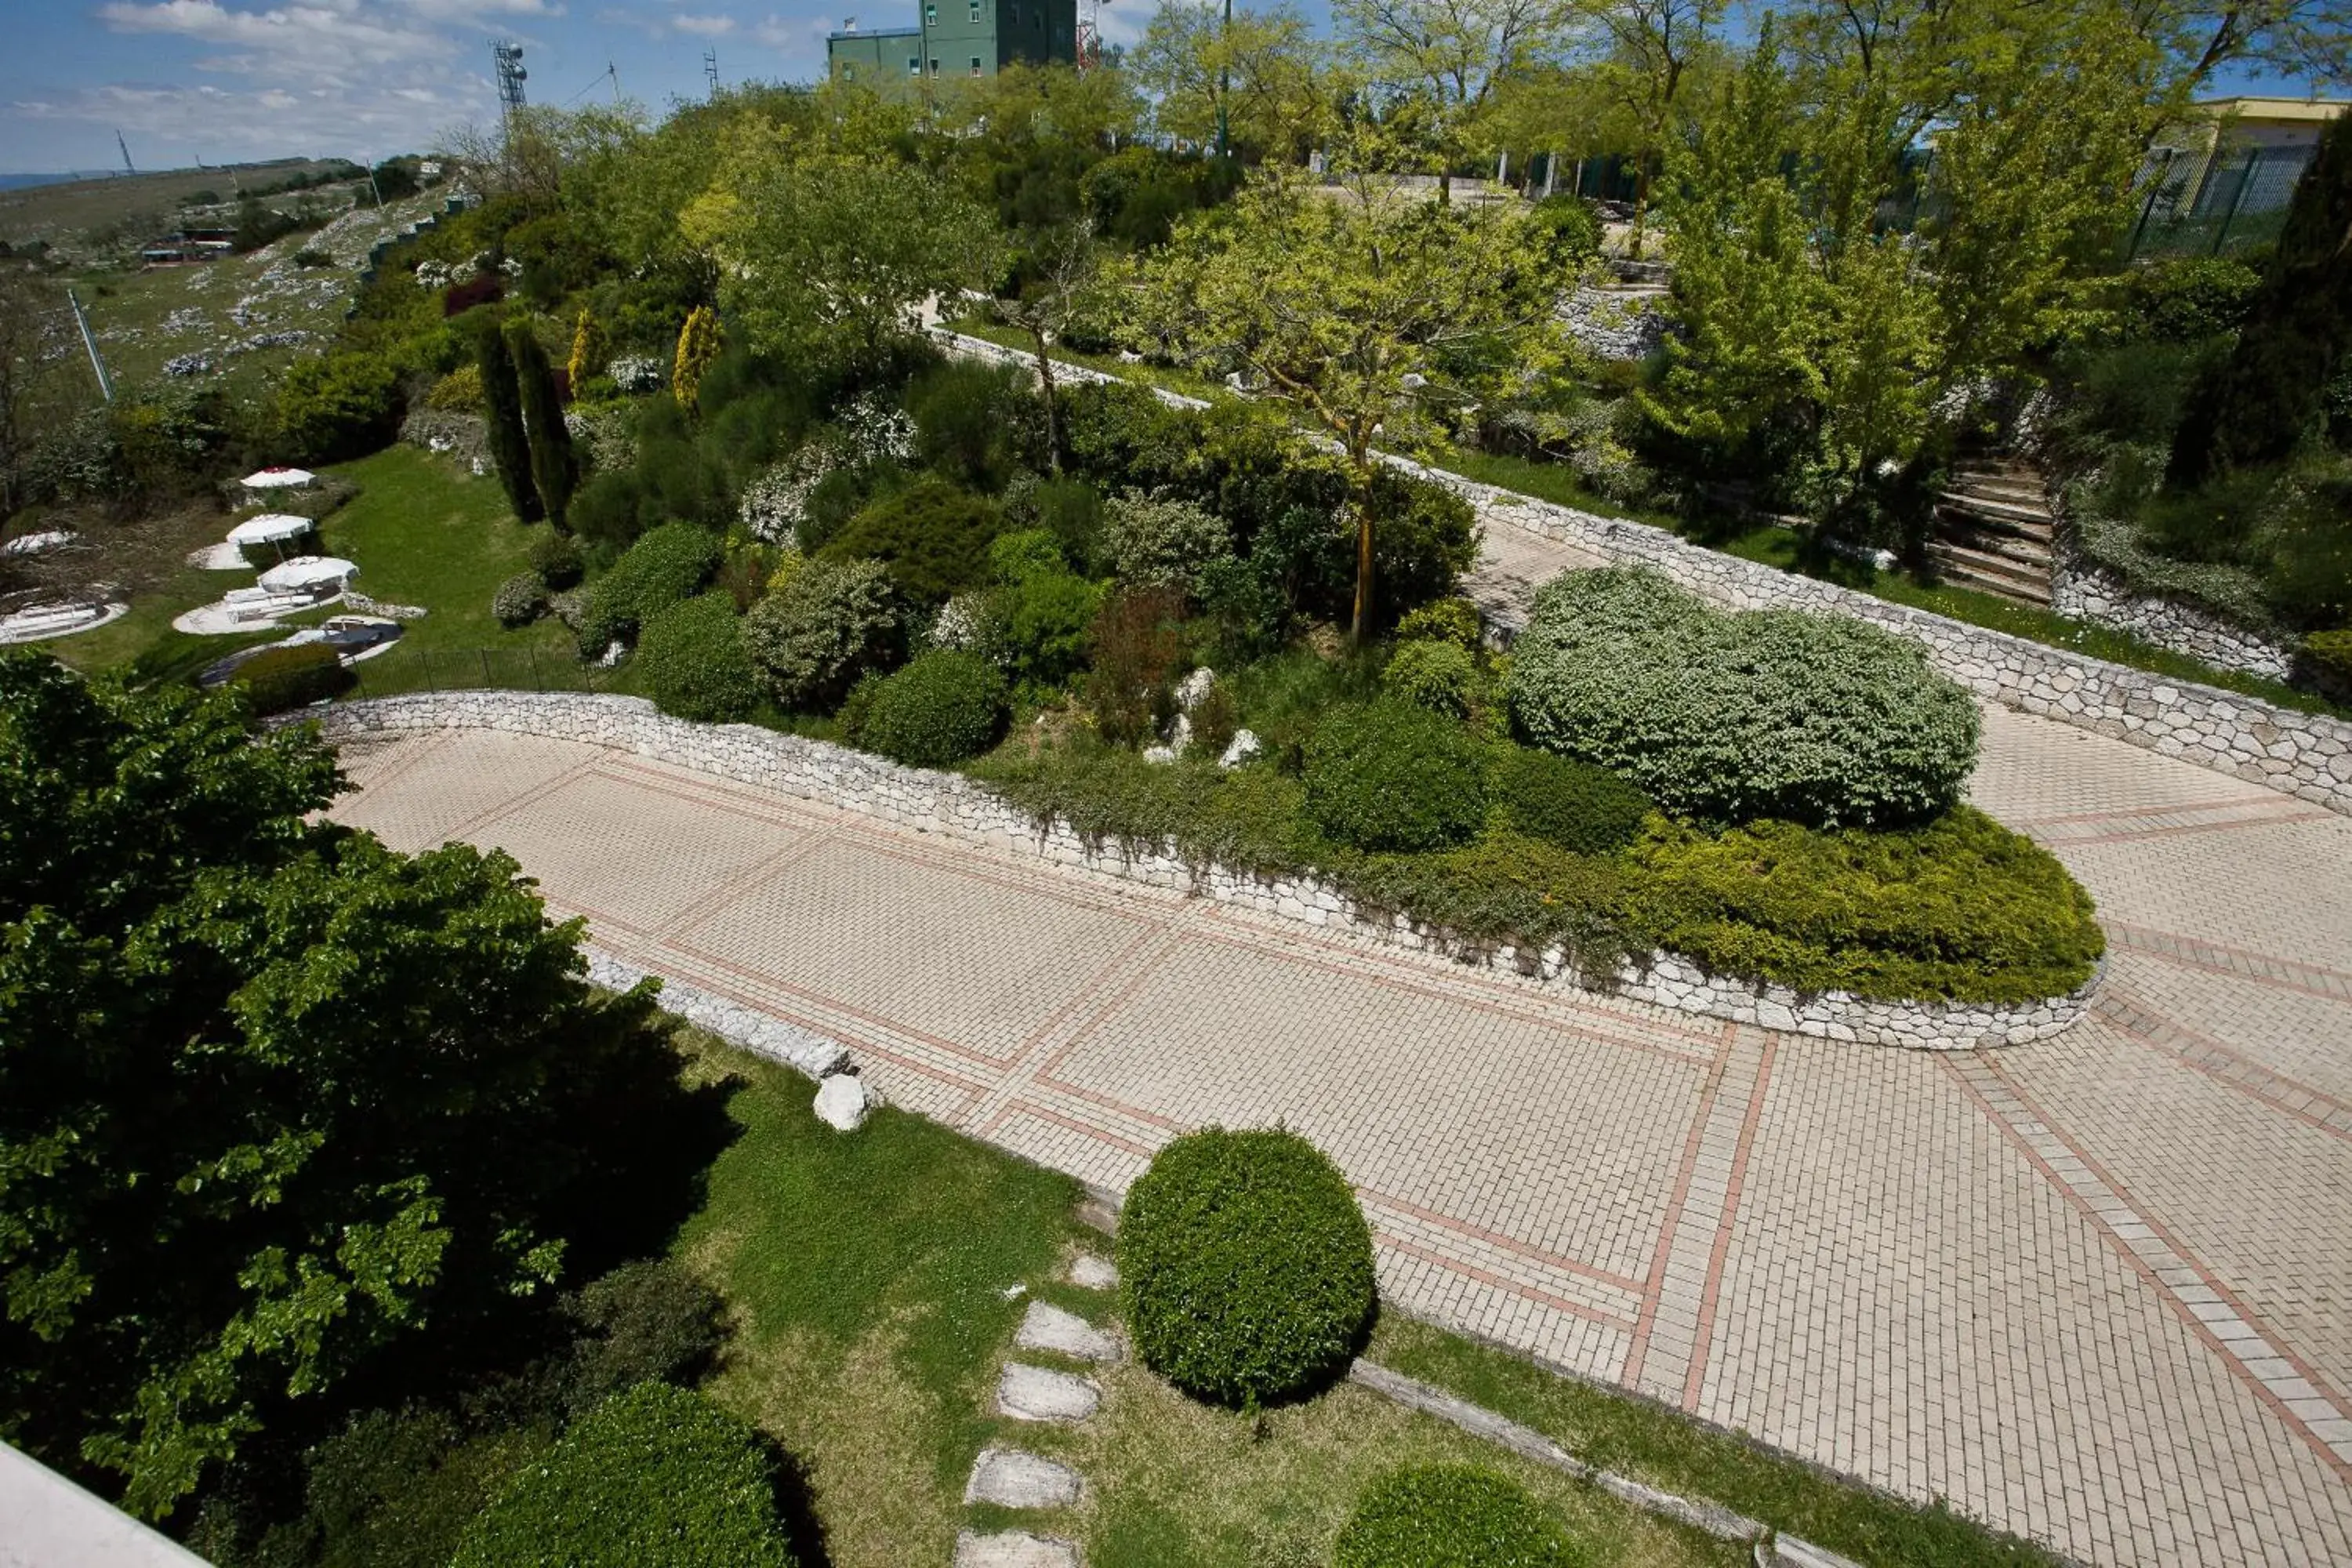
(956, 37)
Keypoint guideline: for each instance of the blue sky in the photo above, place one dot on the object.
(225, 80)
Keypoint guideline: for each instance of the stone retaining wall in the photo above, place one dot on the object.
(956, 807)
(2302, 754)
(2096, 594)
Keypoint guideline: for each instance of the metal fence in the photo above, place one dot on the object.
(527, 669)
(2207, 202)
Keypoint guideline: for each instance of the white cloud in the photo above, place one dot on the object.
(704, 27)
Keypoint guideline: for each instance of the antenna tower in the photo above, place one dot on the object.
(1089, 34)
(507, 57)
(711, 70)
(118, 142)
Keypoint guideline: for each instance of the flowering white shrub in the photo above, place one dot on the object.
(636, 373)
(771, 503)
(971, 623)
(877, 430)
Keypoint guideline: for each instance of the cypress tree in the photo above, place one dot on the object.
(553, 470)
(502, 405)
(2257, 404)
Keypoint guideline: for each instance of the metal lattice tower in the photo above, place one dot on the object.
(1089, 39)
(711, 70)
(507, 59)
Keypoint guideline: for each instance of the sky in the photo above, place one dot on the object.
(222, 80)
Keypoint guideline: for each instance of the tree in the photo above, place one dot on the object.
(823, 250)
(590, 349)
(554, 470)
(1258, 79)
(2298, 39)
(34, 346)
(510, 442)
(697, 350)
(273, 1098)
(1065, 268)
(1374, 315)
(2258, 404)
(1452, 54)
(1652, 44)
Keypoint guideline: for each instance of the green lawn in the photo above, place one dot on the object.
(867, 1276)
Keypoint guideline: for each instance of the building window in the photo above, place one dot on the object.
(914, 65)
(935, 65)
(975, 64)
(975, 12)
(930, 16)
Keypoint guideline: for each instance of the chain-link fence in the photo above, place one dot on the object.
(523, 668)
(2208, 202)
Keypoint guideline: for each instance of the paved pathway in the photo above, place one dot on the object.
(2097, 1290)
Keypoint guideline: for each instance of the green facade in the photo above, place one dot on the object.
(957, 39)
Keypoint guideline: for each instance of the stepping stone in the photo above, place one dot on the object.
(1093, 1273)
(1014, 1549)
(1034, 1393)
(1048, 1328)
(1011, 1478)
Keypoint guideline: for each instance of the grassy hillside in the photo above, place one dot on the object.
(74, 211)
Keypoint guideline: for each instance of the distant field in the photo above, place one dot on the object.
(62, 213)
(216, 309)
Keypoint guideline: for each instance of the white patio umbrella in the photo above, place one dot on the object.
(279, 480)
(307, 572)
(269, 528)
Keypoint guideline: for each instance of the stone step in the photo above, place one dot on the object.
(1048, 1328)
(1012, 1479)
(2028, 486)
(1028, 1393)
(1012, 1548)
(1992, 562)
(2020, 550)
(1092, 1273)
(2023, 514)
(1955, 567)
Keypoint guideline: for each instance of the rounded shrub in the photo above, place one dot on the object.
(1245, 1265)
(1451, 1515)
(831, 622)
(1564, 802)
(520, 600)
(1441, 676)
(1726, 717)
(657, 1476)
(933, 536)
(1159, 542)
(670, 563)
(692, 659)
(943, 707)
(1442, 620)
(1388, 776)
(556, 561)
(277, 679)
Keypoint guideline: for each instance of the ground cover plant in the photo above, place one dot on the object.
(1452, 1517)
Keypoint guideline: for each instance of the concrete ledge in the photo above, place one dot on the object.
(956, 807)
(47, 1521)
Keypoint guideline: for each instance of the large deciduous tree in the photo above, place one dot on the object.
(1453, 55)
(1376, 315)
(1257, 81)
(273, 1098)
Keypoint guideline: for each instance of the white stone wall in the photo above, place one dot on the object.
(956, 807)
(2096, 594)
(1613, 324)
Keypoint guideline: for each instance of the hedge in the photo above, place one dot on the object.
(1245, 1265)
(663, 566)
(657, 1476)
(1960, 909)
(1453, 1516)
(1733, 717)
(277, 679)
(1387, 775)
(693, 662)
(1561, 801)
(943, 707)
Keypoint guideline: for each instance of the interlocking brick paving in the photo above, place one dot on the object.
(2094, 1290)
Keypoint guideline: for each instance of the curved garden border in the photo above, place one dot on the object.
(956, 807)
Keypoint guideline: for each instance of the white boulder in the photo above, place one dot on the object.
(843, 1102)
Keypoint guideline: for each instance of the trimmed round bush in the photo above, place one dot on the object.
(1439, 675)
(692, 659)
(943, 707)
(1245, 1265)
(829, 622)
(520, 600)
(1723, 717)
(1158, 541)
(1453, 1516)
(1388, 776)
(647, 1321)
(666, 564)
(657, 1476)
(556, 559)
(277, 679)
(1561, 801)
(933, 536)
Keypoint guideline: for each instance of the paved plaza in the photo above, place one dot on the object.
(2096, 1290)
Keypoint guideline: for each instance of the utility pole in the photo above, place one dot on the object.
(372, 185)
(614, 71)
(118, 142)
(105, 386)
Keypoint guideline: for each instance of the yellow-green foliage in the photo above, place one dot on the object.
(590, 349)
(459, 392)
(698, 345)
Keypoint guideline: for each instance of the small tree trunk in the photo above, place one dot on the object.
(1360, 632)
(1053, 414)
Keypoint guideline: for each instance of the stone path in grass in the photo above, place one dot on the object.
(2096, 1290)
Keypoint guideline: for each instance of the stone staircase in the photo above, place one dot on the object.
(1993, 527)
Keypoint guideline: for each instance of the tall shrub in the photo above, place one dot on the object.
(554, 469)
(502, 409)
(698, 347)
(590, 349)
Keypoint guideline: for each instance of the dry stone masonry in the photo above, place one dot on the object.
(956, 807)
(2096, 594)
